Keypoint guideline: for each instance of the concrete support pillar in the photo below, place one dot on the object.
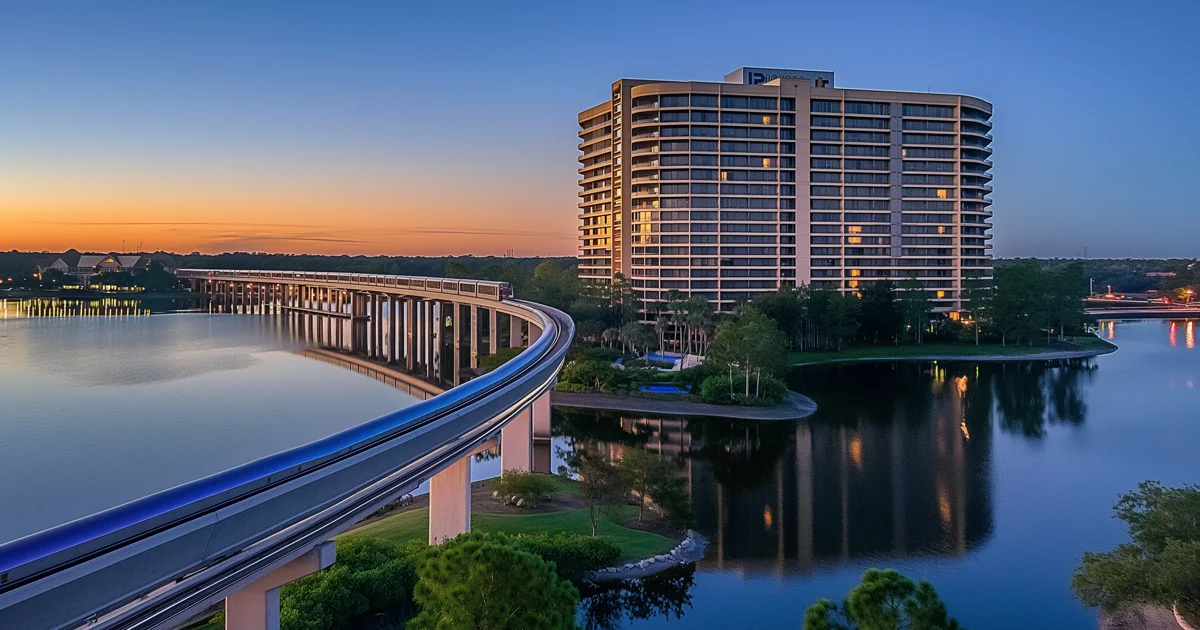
(450, 502)
(474, 336)
(377, 326)
(427, 337)
(516, 442)
(493, 334)
(541, 415)
(410, 333)
(456, 327)
(394, 329)
(256, 605)
(535, 331)
(515, 336)
(358, 328)
(438, 322)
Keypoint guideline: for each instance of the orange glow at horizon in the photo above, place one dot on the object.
(273, 215)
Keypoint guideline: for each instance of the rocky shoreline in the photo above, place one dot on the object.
(690, 549)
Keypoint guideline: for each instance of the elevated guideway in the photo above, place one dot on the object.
(239, 535)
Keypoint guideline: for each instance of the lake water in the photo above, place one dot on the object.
(988, 480)
(103, 403)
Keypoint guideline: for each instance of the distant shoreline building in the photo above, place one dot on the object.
(86, 266)
(775, 177)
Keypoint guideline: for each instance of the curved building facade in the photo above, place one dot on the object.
(775, 177)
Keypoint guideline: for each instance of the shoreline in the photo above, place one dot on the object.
(1051, 355)
(795, 406)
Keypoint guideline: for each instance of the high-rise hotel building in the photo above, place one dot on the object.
(774, 177)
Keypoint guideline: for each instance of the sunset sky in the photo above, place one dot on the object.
(449, 128)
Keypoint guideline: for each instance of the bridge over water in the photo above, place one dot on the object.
(241, 534)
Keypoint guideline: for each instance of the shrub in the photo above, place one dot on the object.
(572, 554)
(485, 581)
(608, 355)
(371, 577)
(715, 391)
(502, 356)
(590, 373)
(646, 363)
(771, 389)
(694, 377)
(526, 485)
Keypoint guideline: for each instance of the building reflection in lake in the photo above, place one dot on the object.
(896, 462)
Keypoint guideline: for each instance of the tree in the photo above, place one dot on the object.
(653, 480)
(455, 269)
(1017, 300)
(914, 304)
(884, 600)
(1067, 289)
(370, 578)
(636, 336)
(473, 581)
(977, 300)
(881, 319)
(600, 482)
(787, 307)
(1160, 565)
(750, 340)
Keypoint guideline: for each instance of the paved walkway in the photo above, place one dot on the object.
(794, 407)
(1036, 356)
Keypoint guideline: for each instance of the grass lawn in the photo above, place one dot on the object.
(941, 349)
(635, 544)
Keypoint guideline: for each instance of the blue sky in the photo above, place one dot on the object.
(450, 127)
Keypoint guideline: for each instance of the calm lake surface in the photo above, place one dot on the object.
(989, 480)
(102, 403)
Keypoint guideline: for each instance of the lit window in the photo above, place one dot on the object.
(853, 284)
(853, 240)
(855, 229)
(724, 176)
(941, 229)
(767, 163)
(854, 273)
(766, 120)
(941, 193)
(941, 294)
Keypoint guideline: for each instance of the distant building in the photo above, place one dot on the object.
(777, 177)
(87, 266)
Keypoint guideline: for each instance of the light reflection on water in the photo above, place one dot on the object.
(97, 411)
(990, 480)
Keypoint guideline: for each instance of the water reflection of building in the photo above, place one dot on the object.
(905, 474)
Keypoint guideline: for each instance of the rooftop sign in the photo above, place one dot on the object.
(757, 76)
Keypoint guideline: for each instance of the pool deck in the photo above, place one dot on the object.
(794, 407)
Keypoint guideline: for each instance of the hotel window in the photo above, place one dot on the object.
(831, 107)
(854, 273)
